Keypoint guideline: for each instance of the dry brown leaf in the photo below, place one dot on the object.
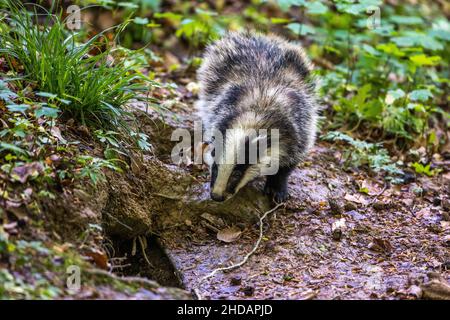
(356, 198)
(308, 295)
(22, 173)
(380, 245)
(99, 257)
(229, 234)
(56, 132)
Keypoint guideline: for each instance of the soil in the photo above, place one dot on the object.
(329, 241)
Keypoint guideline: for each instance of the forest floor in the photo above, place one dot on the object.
(388, 239)
(343, 234)
(329, 241)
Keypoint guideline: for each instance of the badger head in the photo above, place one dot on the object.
(238, 157)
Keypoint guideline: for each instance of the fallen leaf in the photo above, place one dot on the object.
(229, 234)
(380, 245)
(356, 198)
(215, 221)
(99, 257)
(57, 134)
(308, 295)
(22, 173)
(193, 87)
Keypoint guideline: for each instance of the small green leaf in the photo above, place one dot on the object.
(424, 60)
(420, 95)
(141, 21)
(364, 190)
(279, 20)
(393, 95)
(46, 95)
(300, 29)
(128, 5)
(405, 20)
(18, 108)
(371, 50)
(13, 148)
(316, 7)
(46, 112)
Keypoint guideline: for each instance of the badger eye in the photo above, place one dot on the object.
(236, 174)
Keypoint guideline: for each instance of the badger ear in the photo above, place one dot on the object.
(203, 151)
(208, 155)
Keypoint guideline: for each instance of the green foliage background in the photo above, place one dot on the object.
(383, 79)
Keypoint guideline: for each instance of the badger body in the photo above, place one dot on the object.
(250, 82)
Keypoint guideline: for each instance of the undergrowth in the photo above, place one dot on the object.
(383, 66)
(90, 81)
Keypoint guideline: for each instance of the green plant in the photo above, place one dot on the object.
(91, 167)
(424, 169)
(362, 153)
(387, 81)
(198, 28)
(85, 86)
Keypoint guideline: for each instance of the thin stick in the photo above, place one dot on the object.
(379, 194)
(167, 196)
(118, 221)
(143, 243)
(244, 260)
(144, 281)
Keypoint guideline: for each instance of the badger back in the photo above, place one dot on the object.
(246, 58)
(245, 72)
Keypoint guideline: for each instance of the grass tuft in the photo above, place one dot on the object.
(87, 87)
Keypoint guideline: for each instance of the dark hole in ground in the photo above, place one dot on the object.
(157, 266)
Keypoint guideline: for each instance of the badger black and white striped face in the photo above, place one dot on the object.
(242, 158)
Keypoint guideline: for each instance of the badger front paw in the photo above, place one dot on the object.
(278, 194)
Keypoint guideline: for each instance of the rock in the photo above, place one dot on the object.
(248, 291)
(446, 205)
(436, 201)
(356, 215)
(236, 281)
(335, 208)
(379, 205)
(337, 229)
(349, 206)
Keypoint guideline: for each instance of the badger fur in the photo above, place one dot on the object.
(249, 82)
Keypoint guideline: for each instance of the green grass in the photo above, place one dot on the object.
(87, 87)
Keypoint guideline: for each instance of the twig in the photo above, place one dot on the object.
(118, 221)
(150, 283)
(167, 196)
(143, 243)
(379, 194)
(244, 260)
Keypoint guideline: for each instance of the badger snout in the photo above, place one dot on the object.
(217, 197)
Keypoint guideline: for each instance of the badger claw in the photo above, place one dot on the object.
(277, 195)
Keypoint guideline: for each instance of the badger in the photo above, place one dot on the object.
(253, 82)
